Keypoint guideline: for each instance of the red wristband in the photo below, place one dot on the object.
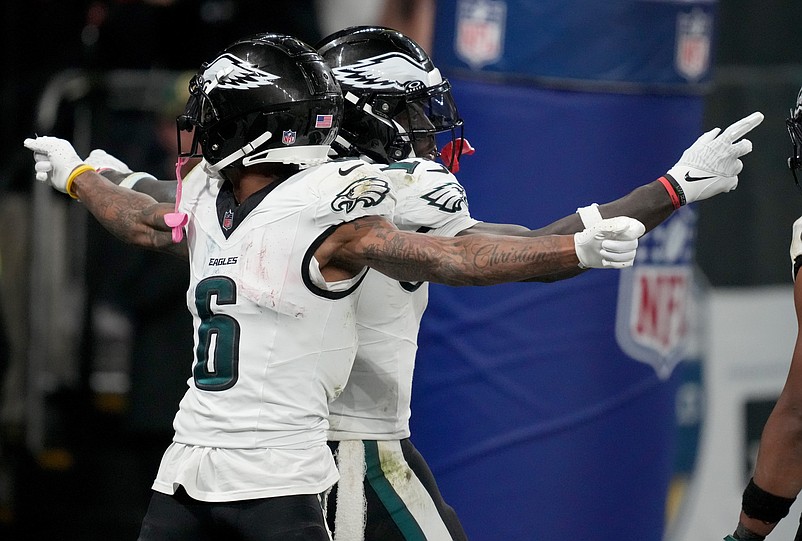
(672, 193)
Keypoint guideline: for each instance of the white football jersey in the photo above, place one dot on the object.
(274, 343)
(375, 404)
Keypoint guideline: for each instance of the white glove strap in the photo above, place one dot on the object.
(133, 178)
(589, 215)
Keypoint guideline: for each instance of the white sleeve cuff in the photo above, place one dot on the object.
(590, 215)
(133, 178)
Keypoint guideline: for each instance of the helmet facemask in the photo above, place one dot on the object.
(427, 113)
(389, 127)
(199, 115)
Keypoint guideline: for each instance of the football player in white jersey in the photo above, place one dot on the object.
(395, 102)
(278, 241)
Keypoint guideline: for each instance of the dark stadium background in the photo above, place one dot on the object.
(90, 482)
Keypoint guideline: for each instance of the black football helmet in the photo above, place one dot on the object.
(794, 125)
(395, 98)
(267, 98)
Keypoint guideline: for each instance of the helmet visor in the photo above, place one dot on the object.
(430, 110)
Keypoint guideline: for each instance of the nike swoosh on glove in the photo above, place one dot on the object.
(710, 166)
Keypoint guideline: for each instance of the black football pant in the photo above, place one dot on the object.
(285, 518)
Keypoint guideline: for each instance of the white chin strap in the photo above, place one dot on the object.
(234, 156)
(301, 155)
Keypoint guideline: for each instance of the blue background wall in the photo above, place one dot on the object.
(536, 422)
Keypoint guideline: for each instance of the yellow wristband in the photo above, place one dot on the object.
(83, 168)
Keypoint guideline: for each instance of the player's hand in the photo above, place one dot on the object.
(796, 245)
(100, 160)
(611, 243)
(55, 161)
(711, 165)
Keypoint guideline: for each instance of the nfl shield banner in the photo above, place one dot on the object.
(694, 34)
(580, 44)
(480, 31)
(655, 300)
(582, 381)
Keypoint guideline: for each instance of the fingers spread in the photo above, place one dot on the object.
(708, 136)
(741, 148)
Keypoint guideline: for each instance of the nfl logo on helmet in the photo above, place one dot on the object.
(288, 137)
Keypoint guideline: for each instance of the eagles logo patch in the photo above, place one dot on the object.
(449, 197)
(390, 71)
(368, 192)
(230, 72)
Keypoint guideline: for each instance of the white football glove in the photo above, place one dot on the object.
(589, 215)
(100, 160)
(611, 243)
(711, 165)
(796, 245)
(55, 162)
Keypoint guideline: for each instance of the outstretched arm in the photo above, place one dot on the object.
(119, 173)
(473, 259)
(650, 204)
(162, 191)
(708, 167)
(133, 217)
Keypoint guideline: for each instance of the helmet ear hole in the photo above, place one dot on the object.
(226, 130)
(315, 138)
(382, 108)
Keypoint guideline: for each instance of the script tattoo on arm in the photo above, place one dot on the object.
(469, 260)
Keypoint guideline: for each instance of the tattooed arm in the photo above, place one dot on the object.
(132, 217)
(649, 204)
(162, 191)
(471, 260)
